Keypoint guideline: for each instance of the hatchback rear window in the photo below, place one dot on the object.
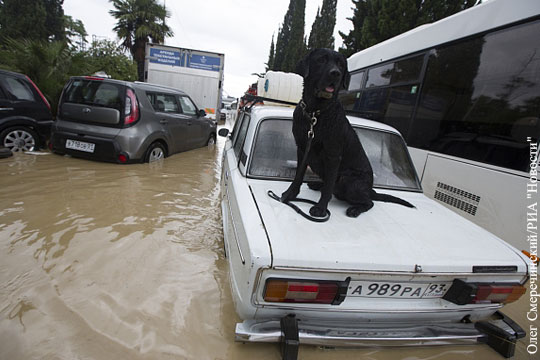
(95, 93)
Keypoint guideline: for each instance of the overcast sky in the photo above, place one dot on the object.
(240, 29)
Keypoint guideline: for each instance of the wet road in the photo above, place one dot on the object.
(102, 261)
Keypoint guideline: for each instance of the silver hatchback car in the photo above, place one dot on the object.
(126, 122)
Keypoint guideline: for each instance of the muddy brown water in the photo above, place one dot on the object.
(102, 261)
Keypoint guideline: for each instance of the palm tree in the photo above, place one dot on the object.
(140, 21)
(48, 64)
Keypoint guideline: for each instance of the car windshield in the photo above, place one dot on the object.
(274, 155)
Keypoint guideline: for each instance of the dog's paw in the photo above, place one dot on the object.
(354, 211)
(317, 211)
(288, 195)
(315, 185)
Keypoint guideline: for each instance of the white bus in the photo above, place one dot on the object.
(465, 94)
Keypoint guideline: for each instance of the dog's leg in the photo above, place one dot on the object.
(356, 191)
(315, 185)
(331, 167)
(292, 192)
(318, 168)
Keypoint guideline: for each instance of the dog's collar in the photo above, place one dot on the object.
(318, 112)
(303, 106)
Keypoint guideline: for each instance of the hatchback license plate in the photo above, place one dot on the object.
(397, 290)
(80, 146)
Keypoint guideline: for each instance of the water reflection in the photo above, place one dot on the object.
(102, 261)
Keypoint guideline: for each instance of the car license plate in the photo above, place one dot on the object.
(383, 289)
(80, 145)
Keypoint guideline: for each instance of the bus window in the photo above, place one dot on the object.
(403, 71)
(480, 98)
(391, 105)
(356, 81)
(380, 76)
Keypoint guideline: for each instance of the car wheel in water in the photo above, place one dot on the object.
(211, 140)
(19, 138)
(155, 152)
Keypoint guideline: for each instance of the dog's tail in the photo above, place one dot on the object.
(389, 198)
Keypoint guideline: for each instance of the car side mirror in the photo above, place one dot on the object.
(223, 132)
(201, 113)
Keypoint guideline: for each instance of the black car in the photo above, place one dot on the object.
(25, 114)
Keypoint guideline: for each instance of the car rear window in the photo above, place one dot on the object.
(274, 155)
(95, 93)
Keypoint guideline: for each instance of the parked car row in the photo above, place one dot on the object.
(102, 119)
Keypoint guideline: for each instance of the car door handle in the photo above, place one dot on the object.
(163, 121)
(189, 123)
(5, 109)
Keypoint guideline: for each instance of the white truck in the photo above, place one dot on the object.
(197, 73)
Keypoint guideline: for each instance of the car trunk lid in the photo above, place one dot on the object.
(388, 238)
(90, 114)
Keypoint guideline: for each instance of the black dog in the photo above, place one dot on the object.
(335, 155)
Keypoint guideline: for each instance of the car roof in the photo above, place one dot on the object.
(136, 84)
(150, 86)
(260, 112)
(13, 73)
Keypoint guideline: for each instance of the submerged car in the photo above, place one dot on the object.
(126, 122)
(394, 275)
(25, 113)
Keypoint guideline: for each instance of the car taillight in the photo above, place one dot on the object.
(132, 108)
(305, 291)
(123, 158)
(462, 293)
(40, 93)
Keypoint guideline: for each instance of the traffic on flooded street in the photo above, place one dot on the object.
(101, 261)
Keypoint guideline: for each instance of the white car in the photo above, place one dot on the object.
(394, 275)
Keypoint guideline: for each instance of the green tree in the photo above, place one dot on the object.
(107, 56)
(295, 49)
(54, 21)
(284, 35)
(75, 33)
(270, 63)
(322, 30)
(140, 22)
(352, 42)
(32, 19)
(378, 20)
(290, 45)
(46, 63)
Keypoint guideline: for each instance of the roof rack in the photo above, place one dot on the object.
(254, 99)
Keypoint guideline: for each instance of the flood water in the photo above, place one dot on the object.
(103, 261)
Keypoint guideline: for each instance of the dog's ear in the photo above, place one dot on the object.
(346, 74)
(346, 79)
(302, 68)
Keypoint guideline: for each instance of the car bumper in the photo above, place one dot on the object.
(499, 329)
(104, 150)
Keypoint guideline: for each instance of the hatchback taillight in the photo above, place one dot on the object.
(132, 108)
(462, 293)
(305, 291)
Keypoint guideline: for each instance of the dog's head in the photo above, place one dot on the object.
(324, 72)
